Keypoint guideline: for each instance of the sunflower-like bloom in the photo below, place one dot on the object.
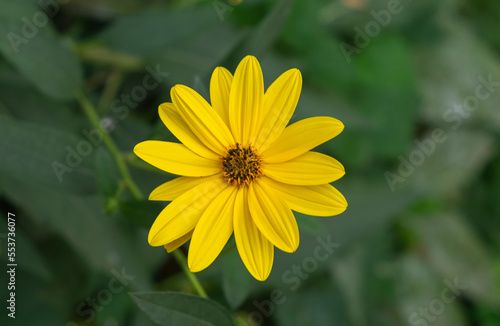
(241, 168)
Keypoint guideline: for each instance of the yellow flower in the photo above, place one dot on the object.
(242, 169)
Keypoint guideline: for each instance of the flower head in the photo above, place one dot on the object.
(242, 169)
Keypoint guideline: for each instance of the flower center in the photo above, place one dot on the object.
(241, 165)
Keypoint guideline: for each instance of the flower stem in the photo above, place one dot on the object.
(111, 87)
(92, 115)
(181, 259)
(94, 53)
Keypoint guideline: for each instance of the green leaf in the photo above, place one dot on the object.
(316, 306)
(237, 282)
(107, 177)
(33, 305)
(153, 31)
(32, 262)
(45, 156)
(302, 24)
(141, 212)
(456, 251)
(192, 61)
(268, 31)
(385, 74)
(350, 274)
(20, 97)
(453, 162)
(117, 310)
(325, 63)
(105, 244)
(453, 74)
(173, 308)
(418, 286)
(30, 44)
(484, 16)
(311, 224)
(367, 197)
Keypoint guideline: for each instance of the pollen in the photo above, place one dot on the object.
(241, 165)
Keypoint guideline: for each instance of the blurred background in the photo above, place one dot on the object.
(416, 83)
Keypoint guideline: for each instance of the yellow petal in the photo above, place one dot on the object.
(255, 250)
(300, 137)
(176, 158)
(212, 231)
(273, 217)
(172, 189)
(322, 200)
(174, 122)
(220, 86)
(280, 101)
(202, 119)
(307, 169)
(182, 214)
(171, 246)
(246, 101)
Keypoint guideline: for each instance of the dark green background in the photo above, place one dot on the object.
(397, 247)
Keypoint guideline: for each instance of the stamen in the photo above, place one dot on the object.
(241, 165)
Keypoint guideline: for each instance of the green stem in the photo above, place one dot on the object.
(119, 191)
(91, 113)
(98, 54)
(181, 259)
(110, 89)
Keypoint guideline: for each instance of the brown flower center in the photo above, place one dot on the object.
(241, 165)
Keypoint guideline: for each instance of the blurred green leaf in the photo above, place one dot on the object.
(107, 177)
(453, 248)
(33, 307)
(237, 281)
(141, 213)
(45, 156)
(152, 31)
(324, 61)
(128, 132)
(302, 24)
(417, 286)
(32, 262)
(349, 273)
(364, 273)
(173, 308)
(192, 61)
(72, 271)
(450, 75)
(141, 319)
(385, 92)
(452, 163)
(482, 201)
(312, 307)
(484, 15)
(267, 32)
(311, 224)
(325, 64)
(372, 207)
(22, 100)
(117, 311)
(30, 44)
(106, 245)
